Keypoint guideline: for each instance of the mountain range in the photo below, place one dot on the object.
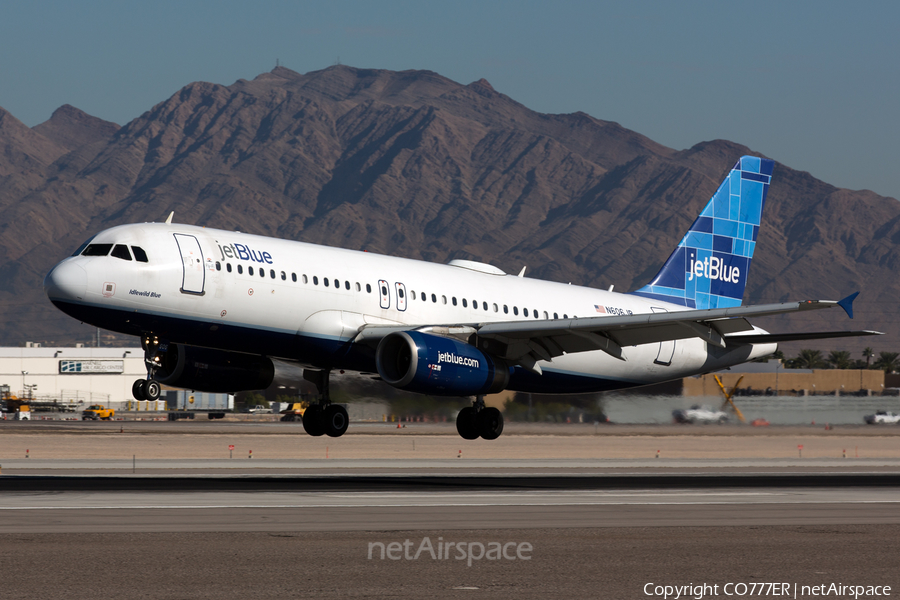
(414, 164)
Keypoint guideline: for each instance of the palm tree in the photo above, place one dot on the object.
(840, 359)
(887, 361)
(808, 359)
(868, 353)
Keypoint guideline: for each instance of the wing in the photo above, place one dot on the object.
(526, 342)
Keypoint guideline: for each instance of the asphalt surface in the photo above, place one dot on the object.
(84, 528)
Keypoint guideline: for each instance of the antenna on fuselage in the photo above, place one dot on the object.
(522, 272)
(169, 218)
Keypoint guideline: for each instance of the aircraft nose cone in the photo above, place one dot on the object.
(67, 281)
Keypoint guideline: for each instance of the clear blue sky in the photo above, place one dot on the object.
(811, 84)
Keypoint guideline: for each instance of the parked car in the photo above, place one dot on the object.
(882, 416)
(700, 414)
(259, 409)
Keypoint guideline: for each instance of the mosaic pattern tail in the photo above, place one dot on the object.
(710, 266)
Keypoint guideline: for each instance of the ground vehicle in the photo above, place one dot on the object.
(23, 413)
(699, 414)
(294, 411)
(882, 416)
(96, 412)
(259, 409)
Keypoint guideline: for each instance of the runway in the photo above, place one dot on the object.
(165, 526)
(388, 502)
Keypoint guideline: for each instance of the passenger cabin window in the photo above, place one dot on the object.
(284, 276)
(272, 273)
(358, 287)
(465, 304)
(262, 272)
(434, 298)
(516, 310)
(228, 267)
(555, 315)
(453, 300)
(250, 270)
(305, 279)
(347, 285)
(240, 270)
(368, 288)
(97, 250)
(218, 266)
(484, 306)
(505, 309)
(525, 311)
(424, 297)
(495, 307)
(121, 251)
(140, 255)
(315, 280)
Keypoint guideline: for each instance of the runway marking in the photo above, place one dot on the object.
(224, 506)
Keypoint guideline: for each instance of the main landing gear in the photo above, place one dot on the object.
(148, 389)
(479, 420)
(324, 418)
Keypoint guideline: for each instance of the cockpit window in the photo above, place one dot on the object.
(97, 250)
(139, 254)
(82, 247)
(121, 251)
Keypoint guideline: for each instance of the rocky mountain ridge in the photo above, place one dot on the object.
(414, 164)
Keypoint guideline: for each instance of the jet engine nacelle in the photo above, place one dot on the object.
(431, 364)
(215, 371)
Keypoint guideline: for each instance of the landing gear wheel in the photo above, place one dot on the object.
(137, 389)
(335, 420)
(151, 390)
(490, 423)
(312, 420)
(467, 423)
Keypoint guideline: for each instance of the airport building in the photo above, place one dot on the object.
(82, 376)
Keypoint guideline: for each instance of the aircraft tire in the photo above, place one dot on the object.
(490, 423)
(312, 421)
(467, 423)
(137, 389)
(151, 390)
(335, 420)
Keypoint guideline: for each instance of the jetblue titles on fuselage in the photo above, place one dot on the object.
(244, 252)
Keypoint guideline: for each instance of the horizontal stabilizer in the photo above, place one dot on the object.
(774, 338)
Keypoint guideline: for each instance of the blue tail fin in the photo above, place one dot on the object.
(709, 268)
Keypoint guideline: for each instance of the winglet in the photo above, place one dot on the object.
(169, 218)
(847, 304)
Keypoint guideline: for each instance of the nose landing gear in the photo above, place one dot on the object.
(324, 418)
(148, 389)
(479, 420)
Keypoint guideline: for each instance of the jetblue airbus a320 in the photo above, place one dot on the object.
(221, 311)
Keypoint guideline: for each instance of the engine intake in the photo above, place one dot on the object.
(214, 371)
(431, 364)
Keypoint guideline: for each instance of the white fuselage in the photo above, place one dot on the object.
(306, 303)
